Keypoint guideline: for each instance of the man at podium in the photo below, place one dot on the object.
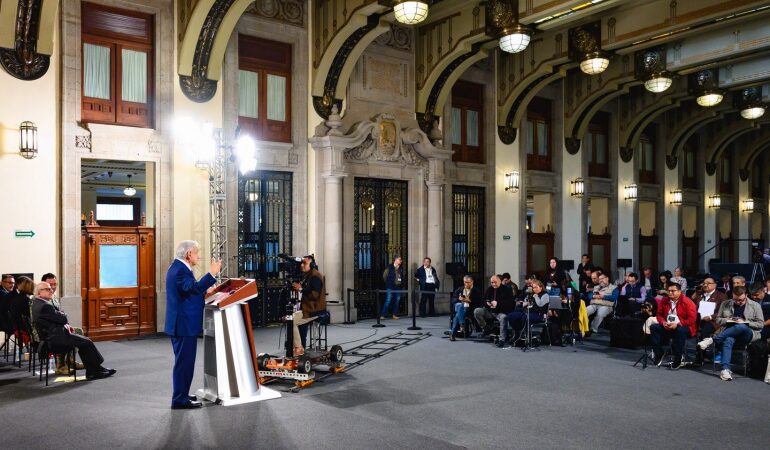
(184, 317)
(313, 299)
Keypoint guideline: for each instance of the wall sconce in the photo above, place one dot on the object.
(748, 205)
(676, 197)
(512, 181)
(715, 201)
(28, 140)
(631, 192)
(578, 187)
(129, 191)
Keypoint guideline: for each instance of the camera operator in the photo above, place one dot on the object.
(312, 301)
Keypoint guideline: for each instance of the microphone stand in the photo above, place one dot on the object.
(528, 343)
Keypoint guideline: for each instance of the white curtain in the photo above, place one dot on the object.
(248, 94)
(472, 128)
(457, 129)
(96, 71)
(276, 97)
(134, 80)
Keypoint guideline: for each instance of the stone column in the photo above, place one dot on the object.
(436, 224)
(332, 246)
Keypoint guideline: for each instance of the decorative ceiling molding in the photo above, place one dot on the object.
(683, 122)
(397, 37)
(729, 132)
(341, 31)
(291, 12)
(23, 60)
(641, 107)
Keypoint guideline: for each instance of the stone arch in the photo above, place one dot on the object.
(756, 149)
(715, 150)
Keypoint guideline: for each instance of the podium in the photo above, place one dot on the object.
(230, 372)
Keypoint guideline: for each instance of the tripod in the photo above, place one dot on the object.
(528, 341)
(646, 356)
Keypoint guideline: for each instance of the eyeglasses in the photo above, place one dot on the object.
(709, 282)
(46, 289)
(673, 291)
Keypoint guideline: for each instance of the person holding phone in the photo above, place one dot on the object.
(677, 320)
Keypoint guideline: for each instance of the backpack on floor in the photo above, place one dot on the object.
(757, 359)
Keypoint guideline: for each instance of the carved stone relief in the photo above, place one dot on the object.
(398, 37)
(291, 12)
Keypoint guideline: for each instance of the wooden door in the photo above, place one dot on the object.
(539, 251)
(599, 249)
(690, 254)
(118, 281)
(648, 251)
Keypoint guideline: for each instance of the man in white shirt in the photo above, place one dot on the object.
(427, 276)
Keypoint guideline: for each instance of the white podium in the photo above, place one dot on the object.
(230, 372)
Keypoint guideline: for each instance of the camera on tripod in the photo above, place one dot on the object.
(291, 268)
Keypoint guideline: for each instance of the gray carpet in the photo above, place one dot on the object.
(434, 394)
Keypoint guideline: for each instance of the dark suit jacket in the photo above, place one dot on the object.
(504, 297)
(421, 275)
(475, 296)
(50, 323)
(184, 300)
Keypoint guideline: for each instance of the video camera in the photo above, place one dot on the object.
(290, 266)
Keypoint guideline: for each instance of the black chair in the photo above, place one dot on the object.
(738, 349)
(44, 355)
(469, 324)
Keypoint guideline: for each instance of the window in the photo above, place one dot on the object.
(117, 66)
(689, 174)
(264, 88)
(118, 211)
(468, 230)
(595, 142)
(725, 174)
(646, 152)
(538, 125)
(467, 123)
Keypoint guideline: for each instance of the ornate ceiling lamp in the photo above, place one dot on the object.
(749, 102)
(705, 84)
(651, 67)
(503, 23)
(410, 12)
(585, 46)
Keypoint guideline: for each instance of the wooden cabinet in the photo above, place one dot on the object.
(118, 281)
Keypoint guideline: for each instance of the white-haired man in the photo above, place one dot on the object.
(184, 317)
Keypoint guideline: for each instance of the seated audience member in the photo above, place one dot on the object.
(464, 298)
(584, 281)
(742, 322)
(633, 294)
(663, 279)
(55, 329)
(677, 320)
(603, 301)
(758, 295)
(585, 263)
(19, 306)
(737, 281)
(707, 292)
(7, 286)
(535, 306)
(648, 281)
(678, 278)
(506, 277)
(767, 287)
(594, 286)
(499, 302)
(554, 277)
(724, 282)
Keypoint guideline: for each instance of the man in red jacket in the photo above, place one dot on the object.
(676, 320)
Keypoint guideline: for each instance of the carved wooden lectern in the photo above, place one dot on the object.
(230, 373)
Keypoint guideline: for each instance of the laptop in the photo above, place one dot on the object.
(554, 302)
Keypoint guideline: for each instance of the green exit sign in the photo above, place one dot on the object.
(506, 237)
(24, 234)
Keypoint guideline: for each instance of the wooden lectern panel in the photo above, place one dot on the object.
(232, 291)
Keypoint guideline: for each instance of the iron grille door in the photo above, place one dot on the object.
(264, 232)
(380, 225)
(468, 228)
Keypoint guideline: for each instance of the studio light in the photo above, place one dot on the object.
(578, 187)
(709, 98)
(410, 12)
(631, 192)
(512, 181)
(658, 83)
(676, 197)
(28, 140)
(129, 191)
